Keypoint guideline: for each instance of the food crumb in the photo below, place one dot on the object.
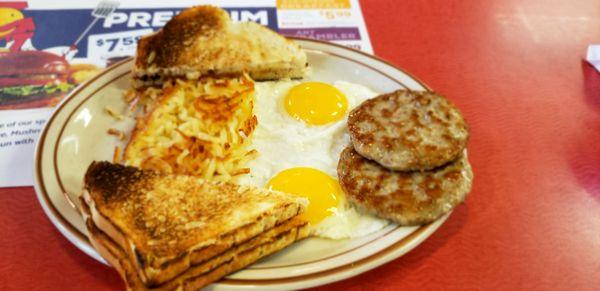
(113, 113)
(116, 155)
(119, 134)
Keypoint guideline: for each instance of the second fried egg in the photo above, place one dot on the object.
(300, 135)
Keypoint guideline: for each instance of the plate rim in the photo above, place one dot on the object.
(371, 261)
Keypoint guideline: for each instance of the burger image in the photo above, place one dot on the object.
(31, 79)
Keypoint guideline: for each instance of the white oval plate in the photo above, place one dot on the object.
(75, 135)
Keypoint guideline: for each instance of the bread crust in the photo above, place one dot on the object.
(202, 274)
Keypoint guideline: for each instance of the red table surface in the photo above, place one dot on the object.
(532, 221)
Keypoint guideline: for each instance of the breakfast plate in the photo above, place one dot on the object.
(76, 135)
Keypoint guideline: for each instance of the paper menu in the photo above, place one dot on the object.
(48, 31)
(593, 56)
(339, 21)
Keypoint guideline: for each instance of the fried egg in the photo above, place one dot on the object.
(300, 135)
(315, 103)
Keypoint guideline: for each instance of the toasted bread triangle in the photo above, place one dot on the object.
(165, 223)
(204, 41)
(200, 275)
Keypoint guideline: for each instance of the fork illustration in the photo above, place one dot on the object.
(102, 10)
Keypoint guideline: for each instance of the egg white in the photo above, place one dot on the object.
(284, 142)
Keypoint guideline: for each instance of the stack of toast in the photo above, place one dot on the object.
(166, 232)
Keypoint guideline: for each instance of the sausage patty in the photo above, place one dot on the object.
(408, 130)
(407, 198)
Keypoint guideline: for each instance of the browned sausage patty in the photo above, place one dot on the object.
(408, 130)
(407, 198)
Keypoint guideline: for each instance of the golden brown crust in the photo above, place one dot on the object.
(112, 180)
(176, 36)
(169, 222)
(200, 275)
(408, 130)
(407, 198)
(203, 41)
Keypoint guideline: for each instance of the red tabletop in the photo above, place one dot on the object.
(532, 221)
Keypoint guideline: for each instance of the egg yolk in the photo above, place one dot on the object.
(315, 103)
(322, 191)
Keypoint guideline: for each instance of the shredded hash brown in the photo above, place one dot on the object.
(198, 127)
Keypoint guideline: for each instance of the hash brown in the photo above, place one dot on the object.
(197, 128)
(408, 130)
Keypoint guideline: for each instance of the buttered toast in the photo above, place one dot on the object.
(203, 41)
(166, 224)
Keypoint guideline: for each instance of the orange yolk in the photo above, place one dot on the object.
(322, 191)
(316, 103)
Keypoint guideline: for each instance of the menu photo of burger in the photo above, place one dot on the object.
(32, 79)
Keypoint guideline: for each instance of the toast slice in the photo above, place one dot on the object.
(167, 223)
(203, 41)
(198, 276)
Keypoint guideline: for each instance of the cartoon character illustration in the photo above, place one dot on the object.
(15, 28)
